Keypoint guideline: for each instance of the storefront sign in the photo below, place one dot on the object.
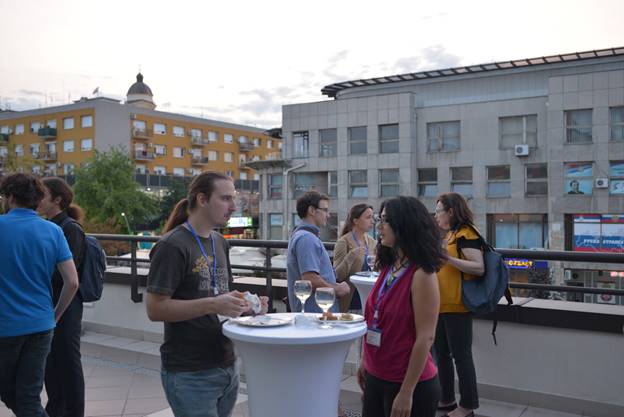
(240, 222)
(513, 263)
(598, 233)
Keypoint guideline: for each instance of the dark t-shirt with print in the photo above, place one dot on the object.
(179, 269)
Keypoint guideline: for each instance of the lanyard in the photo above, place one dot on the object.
(213, 275)
(357, 242)
(384, 289)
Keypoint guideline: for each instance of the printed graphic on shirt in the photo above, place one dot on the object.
(204, 268)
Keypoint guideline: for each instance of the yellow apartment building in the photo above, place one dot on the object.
(55, 140)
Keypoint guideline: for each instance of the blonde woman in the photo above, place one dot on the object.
(351, 250)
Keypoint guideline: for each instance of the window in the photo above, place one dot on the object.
(68, 169)
(51, 123)
(518, 130)
(213, 136)
(195, 133)
(35, 126)
(160, 129)
(518, 231)
(68, 123)
(333, 184)
(160, 170)
(178, 152)
(3, 151)
(4, 130)
(242, 176)
(228, 138)
(86, 145)
(34, 149)
(303, 184)
(358, 187)
(178, 131)
(578, 178)
(597, 233)
(443, 136)
(213, 155)
(68, 146)
(195, 171)
(139, 125)
(140, 169)
(357, 140)
(616, 180)
(86, 121)
(499, 181)
(461, 181)
(275, 186)
(256, 177)
(36, 169)
(229, 174)
(242, 139)
(389, 138)
(276, 224)
(160, 150)
(270, 144)
(536, 179)
(178, 172)
(328, 139)
(301, 144)
(616, 123)
(578, 126)
(196, 153)
(51, 148)
(257, 142)
(428, 182)
(50, 169)
(227, 156)
(19, 129)
(389, 182)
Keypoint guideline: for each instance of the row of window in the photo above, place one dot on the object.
(445, 136)
(211, 136)
(68, 123)
(35, 148)
(179, 171)
(180, 152)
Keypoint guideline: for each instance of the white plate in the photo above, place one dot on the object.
(261, 321)
(356, 319)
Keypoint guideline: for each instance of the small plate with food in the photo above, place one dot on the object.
(261, 321)
(344, 318)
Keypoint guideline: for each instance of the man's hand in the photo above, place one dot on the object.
(342, 289)
(264, 303)
(231, 304)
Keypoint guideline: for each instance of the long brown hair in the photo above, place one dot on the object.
(58, 187)
(204, 184)
(462, 215)
(354, 214)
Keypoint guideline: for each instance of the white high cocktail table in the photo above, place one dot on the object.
(364, 285)
(292, 370)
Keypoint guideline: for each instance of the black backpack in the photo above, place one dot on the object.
(92, 268)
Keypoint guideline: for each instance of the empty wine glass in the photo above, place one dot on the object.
(370, 261)
(325, 298)
(303, 290)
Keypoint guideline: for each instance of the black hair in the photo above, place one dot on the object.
(309, 199)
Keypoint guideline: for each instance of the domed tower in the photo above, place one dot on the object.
(140, 94)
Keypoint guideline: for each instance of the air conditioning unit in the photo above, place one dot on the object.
(521, 150)
(601, 183)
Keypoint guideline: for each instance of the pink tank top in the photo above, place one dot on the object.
(396, 321)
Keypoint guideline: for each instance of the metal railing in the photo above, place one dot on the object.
(269, 271)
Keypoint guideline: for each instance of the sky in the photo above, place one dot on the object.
(240, 61)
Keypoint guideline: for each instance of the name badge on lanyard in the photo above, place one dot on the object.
(213, 275)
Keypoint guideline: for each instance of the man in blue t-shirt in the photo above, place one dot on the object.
(30, 249)
(307, 258)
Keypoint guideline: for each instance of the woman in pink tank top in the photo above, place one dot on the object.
(398, 375)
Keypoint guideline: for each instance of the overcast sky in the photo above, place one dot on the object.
(240, 61)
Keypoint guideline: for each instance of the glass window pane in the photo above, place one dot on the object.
(356, 148)
(498, 172)
(359, 192)
(537, 171)
(506, 234)
(389, 132)
(357, 177)
(389, 190)
(579, 117)
(357, 133)
(389, 175)
(428, 190)
(530, 235)
(461, 174)
(389, 147)
(463, 189)
(499, 189)
(580, 169)
(428, 174)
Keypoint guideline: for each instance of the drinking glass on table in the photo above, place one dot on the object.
(370, 261)
(303, 290)
(325, 298)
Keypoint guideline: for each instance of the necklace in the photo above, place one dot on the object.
(394, 272)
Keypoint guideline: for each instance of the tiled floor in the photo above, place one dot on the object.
(122, 379)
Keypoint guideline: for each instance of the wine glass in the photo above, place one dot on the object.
(370, 261)
(303, 290)
(325, 298)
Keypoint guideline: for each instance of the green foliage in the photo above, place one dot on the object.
(178, 189)
(105, 188)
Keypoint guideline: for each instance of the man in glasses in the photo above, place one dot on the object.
(307, 258)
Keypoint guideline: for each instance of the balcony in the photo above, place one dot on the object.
(245, 146)
(143, 155)
(47, 133)
(199, 141)
(4, 137)
(199, 160)
(47, 156)
(142, 134)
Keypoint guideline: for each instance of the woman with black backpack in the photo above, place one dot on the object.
(64, 379)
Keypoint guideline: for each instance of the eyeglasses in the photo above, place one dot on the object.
(438, 211)
(325, 209)
(381, 219)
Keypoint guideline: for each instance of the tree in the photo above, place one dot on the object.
(178, 189)
(105, 188)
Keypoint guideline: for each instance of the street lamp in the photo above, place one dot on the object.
(127, 224)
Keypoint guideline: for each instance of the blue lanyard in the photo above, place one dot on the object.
(383, 290)
(357, 242)
(213, 276)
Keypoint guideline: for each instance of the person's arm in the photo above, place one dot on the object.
(69, 274)
(472, 262)
(341, 289)
(308, 252)
(161, 307)
(425, 307)
(344, 259)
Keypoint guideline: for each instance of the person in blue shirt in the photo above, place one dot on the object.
(307, 258)
(30, 250)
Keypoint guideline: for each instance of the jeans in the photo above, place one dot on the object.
(22, 365)
(453, 341)
(206, 393)
(64, 380)
(379, 396)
